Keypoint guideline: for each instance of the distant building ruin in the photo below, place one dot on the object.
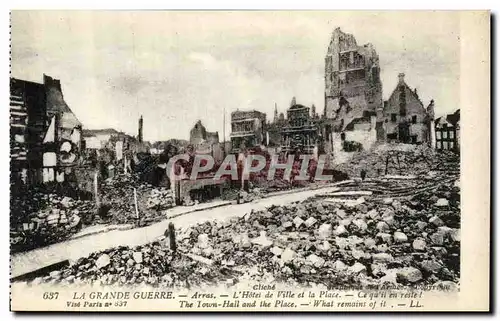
(448, 132)
(405, 118)
(301, 131)
(247, 129)
(274, 128)
(199, 134)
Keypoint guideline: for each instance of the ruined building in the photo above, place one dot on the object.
(405, 118)
(46, 136)
(448, 132)
(353, 89)
(200, 135)
(301, 131)
(353, 94)
(28, 123)
(247, 129)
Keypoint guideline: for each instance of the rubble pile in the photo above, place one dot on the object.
(400, 159)
(372, 242)
(40, 217)
(118, 196)
(152, 264)
(50, 218)
(252, 195)
(160, 199)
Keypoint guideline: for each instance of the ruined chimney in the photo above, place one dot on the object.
(293, 103)
(432, 129)
(430, 109)
(139, 136)
(401, 78)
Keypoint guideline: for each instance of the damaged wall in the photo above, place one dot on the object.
(63, 137)
(199, 134)
(405, 117)
(353, 93)
(364, 133)
(352, 80)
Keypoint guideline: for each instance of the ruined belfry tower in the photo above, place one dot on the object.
(353, 90)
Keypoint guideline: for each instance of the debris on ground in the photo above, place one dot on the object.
(400, 159)
(379, 240)
(49, 218)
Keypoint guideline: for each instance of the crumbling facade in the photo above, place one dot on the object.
(247, 129)
(98, 138)
(46, 136)
(63, 139)
(448, 132)
(353, 89)
(301, 132)
(199, 135)
(405, 118)
(353, 96)
(28, 118)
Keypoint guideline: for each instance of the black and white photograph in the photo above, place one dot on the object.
(244, 161)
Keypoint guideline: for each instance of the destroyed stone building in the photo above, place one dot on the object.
(353, 93)
(447, 130)
(199, 134)
(97, 138)
(63, 139)
(46, 136)
(27, 126)
(301, 131)
(405, 118)
(247, 129)
(118, 143)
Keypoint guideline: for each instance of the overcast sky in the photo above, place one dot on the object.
(177, 67)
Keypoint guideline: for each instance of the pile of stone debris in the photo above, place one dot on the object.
(39, 218)
(322, 242)
(160, 199)
(52, 218)
(153, 264)
(371, 242)
(118, 197)
(400, 159)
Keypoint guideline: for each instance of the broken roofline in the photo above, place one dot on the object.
(249, 164)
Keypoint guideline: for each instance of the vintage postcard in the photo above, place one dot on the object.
(250, 161)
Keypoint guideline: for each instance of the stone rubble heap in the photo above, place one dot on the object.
(373, 242)
(160, 199)
(152, 264)
(400, 159)
(118, 196)
(52, 218)
(39, 218)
